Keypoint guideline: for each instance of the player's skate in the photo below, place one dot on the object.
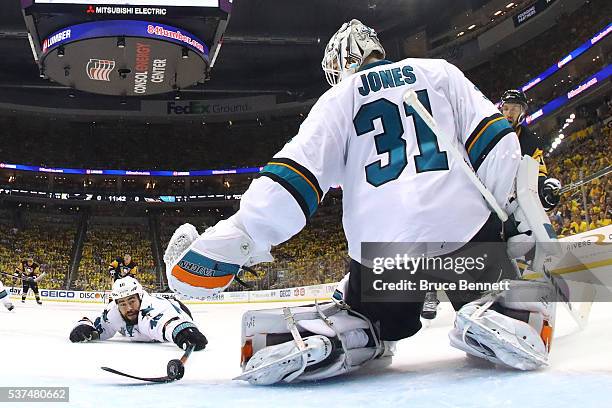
(430, 306)
(180, 241)
(285, 361)
(9, 306)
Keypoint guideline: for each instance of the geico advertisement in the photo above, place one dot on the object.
(65, 295)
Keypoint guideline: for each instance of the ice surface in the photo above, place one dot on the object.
(426, 372)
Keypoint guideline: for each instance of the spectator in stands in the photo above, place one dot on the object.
(528, 60)
(46, 237)
(103, 242)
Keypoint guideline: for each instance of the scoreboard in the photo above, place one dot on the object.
(126, 48)
(162, 3)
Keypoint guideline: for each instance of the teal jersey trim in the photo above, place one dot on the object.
(374, 64)
(180, 327)
(299, 182)
(204, 266)
(486, 141)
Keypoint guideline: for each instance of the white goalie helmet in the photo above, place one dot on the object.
(125, 287)
(347, 50)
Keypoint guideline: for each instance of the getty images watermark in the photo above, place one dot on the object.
(425, 265)
(404, 272)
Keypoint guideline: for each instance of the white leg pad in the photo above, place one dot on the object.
(351, 336)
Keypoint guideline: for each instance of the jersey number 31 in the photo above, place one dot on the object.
(390, 141)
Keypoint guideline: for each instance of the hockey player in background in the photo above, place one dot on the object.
(5, 299)
(398, 186)
(29, 273)
(141, 317)
(514, 107)
(122, 267)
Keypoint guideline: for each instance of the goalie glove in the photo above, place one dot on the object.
(202, 266)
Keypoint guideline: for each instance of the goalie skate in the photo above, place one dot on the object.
(488, 336)
(285, 362)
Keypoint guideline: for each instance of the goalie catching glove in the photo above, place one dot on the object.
(201, 266)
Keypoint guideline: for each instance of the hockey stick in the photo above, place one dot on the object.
(411, 99)
(175, 370)
(15, 277)
(27, 278)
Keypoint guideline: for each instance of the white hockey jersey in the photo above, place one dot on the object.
(4, 295)
(398, 184)
(158, 319)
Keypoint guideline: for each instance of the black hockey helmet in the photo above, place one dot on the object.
(515, 96)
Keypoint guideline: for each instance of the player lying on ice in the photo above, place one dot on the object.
(141, 317)
(398, 186)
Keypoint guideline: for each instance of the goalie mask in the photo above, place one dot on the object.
(347, 50)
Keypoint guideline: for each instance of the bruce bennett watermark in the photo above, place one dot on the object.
(425, 285)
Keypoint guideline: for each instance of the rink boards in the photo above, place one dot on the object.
(592, 252)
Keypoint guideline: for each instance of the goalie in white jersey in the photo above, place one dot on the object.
(141, 317)
(398, 186)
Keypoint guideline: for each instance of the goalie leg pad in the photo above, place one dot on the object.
(533, 225)
(352, 339)
(508, 327)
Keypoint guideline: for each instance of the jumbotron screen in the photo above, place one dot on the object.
(126, 48)
(157, 3)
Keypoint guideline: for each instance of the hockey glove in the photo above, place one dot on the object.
(199, 266)
(84, 331)
(518, 234)
(186, 334)
(549, 193)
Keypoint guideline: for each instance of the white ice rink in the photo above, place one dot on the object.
(426, 372)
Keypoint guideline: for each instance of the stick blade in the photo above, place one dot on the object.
(159, 380)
